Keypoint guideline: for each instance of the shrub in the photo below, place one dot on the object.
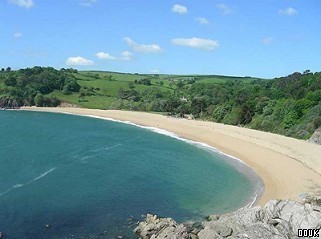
(290, 119)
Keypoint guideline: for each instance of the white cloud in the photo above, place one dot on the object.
(179, 9)
(142, 48)
(205, 44)
(22, 3)
(202, 20)
(267, 40)
(154, 71)
(288, 11)
(17, 34)
(105, 56)
(126, 56)
(78, 61)
(88, 3)
(224, 9)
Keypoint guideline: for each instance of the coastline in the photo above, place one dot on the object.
(284, 164)
(236, 163)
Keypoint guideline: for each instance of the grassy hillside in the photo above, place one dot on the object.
(105, 86)
(288, 105)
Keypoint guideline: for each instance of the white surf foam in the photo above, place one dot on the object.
(18, 185)
(13, 187)
(238, 163)
(43, 174)
(5, 192)
(170, 134)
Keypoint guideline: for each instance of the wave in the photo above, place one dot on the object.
(13, 187)
(112, 147)
(168, 133)
(18, 185)
(5, 192)
(43, 174)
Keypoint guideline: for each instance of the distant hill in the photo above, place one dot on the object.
(288, 105)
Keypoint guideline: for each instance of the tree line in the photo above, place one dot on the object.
(289, 105)
(32, 86)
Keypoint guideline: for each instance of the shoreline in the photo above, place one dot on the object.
(284, 164)
(236, 163)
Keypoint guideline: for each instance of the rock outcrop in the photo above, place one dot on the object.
(154, 227)
(276, 220)
(316, 137)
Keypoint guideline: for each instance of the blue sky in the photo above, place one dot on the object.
(263, 38)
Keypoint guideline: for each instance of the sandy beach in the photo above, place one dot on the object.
(287, 166)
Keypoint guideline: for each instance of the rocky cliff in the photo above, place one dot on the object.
(316, 137)
(276, 220)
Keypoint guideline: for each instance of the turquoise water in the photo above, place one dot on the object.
(91, 177)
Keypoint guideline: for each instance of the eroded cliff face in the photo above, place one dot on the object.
(278, 219)
(316, 137)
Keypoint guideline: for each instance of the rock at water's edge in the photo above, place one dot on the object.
(278, 219)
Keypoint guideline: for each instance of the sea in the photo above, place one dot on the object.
(67, 176)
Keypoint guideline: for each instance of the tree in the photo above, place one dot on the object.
(131, 85)
(144, 82)
(66, 90)
(10, 81)
(199, 104)
(290, 119)
(264, 101)
(73, 86)
(39, 100)
(171, 104)
(180, 84)
(247, 113)
(120, 93)
(183, 109)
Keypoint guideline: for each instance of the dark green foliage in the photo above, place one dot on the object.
(29, 86)
(39, 100)
(143, 82)
(180, 84)
(131, 85)
(10, 81)
(261, 104)
(66, 90)
(221, 111)
(72, 85)
(10, 102)
(42, 101)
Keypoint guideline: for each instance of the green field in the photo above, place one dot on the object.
(107, 85)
